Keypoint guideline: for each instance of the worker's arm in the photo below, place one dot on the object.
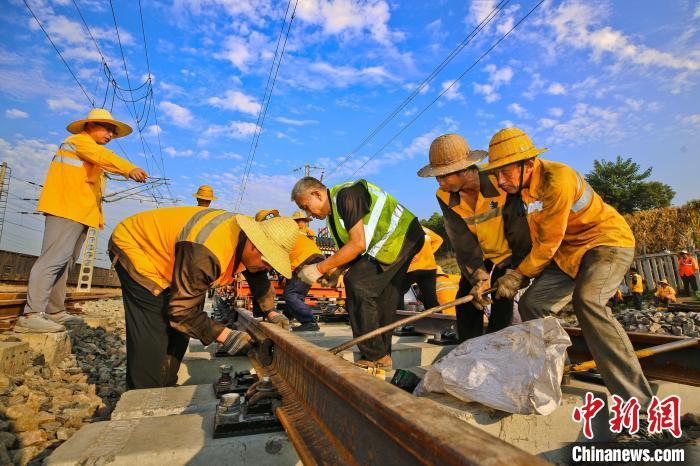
(355, 246)
(261, 289)
(196, 268)
(551, 221)
(89, 151)
(470, 257)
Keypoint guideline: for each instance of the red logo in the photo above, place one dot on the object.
(624, 415)
(665, 415)
(587, 412)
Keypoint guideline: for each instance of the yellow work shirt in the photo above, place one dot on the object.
(666, 292)
(425, 259)
(446, 287)
(636, 285)
(74, 184)
(485, 222)
(567, 218)
(304, 248)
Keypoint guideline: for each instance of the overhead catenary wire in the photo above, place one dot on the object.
(447, 89)
(266, 100)
(456, 51)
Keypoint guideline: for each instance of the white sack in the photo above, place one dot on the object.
(517, 369)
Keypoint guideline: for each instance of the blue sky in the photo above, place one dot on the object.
(589, 80)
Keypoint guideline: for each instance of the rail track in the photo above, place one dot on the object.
(12, 303)
(336, 413)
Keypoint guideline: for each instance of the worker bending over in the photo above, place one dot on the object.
(377, 238)
(166, 259)
(473, 210)
(71, 201)
(581, 250)
(423, 270)
(665, 294)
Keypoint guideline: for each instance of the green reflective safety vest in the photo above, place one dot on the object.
(386, 223)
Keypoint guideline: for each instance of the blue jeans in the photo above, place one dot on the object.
(295, 292)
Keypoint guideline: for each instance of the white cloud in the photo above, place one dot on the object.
(586, 124)
(172, 152)
(236, 100)
(178, 115)
(349, 17)
(65, 105)
(556, 111)
(292, 122)
(517, 109)
(234, 130)
(242, 51)
(497, 78)
(453, 92)
(153, 130)
(547, 122)
(634, 104)
(14, 113)
(690, 120)
(556, 89)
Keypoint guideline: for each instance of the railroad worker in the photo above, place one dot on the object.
(305, 252)
(166, 260)
(665, 294)
(423, 270)
(377, 238)
(204, 196)
(636, 288)
(303, 221)
(71, 201)
(687, 268)
(581, 250)
(473, 209)
(446, 287)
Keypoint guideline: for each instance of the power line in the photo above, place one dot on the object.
(493, 46)
(92, 101)
(456, 51)
(266, 104)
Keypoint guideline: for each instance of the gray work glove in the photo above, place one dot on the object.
(236, 342)
(510, 283)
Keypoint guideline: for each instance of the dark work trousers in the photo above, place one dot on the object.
(690, 283)
(637, 299)
(154, 350)
(374, 292)
(470, 320)
(425, 279)
(295, 292)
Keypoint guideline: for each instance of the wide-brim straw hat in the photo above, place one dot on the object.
(510, 145)
(684, 251)
(301, 215)
(100, 115)
(274, 238)
(450, 153)
(263, 214)
(664, 281)
(205, 192)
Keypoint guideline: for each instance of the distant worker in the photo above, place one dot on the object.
(688, 268)
(71, 201)
(665, 294)
(636, 288)
(423, 270)
(166, 260)
(377, 238)
(304, 252)
(204, 195)
(473, 210)
(303, 221)
(581, 250)
(446, 287)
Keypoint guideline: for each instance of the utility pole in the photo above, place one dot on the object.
(307, 170)
(4, 191)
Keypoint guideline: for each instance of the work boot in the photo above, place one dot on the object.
(642, 436)
(65, 319)
(307, 327)
(37, 323)
(384, 362)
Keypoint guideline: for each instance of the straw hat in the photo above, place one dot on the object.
(301, 215)
(450, 153)
(264, 214)
(205, 192)
(274, 238)
(510, 145)
(100, 115)
(684, 251)
(663, 280)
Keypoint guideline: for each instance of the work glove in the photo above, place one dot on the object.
(481, 280)
(331, 280)
(237, 342)
(278, 319)
(509, 284)
(309, 274)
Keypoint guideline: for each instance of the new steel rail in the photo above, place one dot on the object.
(336, 413)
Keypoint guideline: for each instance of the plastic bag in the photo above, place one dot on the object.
(517, 369)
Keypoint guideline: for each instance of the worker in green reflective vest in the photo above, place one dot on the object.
(377, 238)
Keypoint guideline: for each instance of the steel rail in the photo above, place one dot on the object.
(336, 413)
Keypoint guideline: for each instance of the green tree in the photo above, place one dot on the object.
(621, 183)
(436, 222)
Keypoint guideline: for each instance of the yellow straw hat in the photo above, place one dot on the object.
(274, 238)
(301, 215)
(450, 153)
(205, 192)
(264, 214)
(510, 145)
(100, 115)
(664, 281)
